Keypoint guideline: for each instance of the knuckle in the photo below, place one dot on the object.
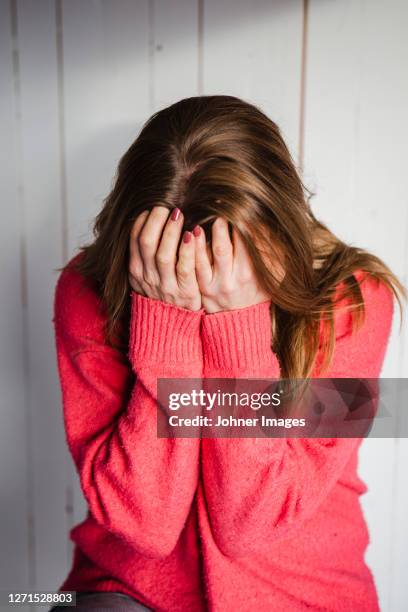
(227, 287)
(221, 250)
(135, 270)
(145, 244)
(183, 272)
(160, 211)
(163, 259)
(145, 241)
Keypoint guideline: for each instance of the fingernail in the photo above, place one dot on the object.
(175, 214)
(197, 230)
(187, 237)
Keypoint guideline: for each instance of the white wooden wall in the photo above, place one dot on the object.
(78, 78)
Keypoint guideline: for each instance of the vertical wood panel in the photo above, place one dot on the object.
(42, 227)
(399, 556)
(105, 59)
(173, 51)
(106, 99)
(253, 50)
(376, 468)
(355, 140)
(16, 556)
(355, 95)
(399, 553)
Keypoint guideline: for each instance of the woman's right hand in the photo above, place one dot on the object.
(156, 269)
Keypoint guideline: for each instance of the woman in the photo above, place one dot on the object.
(208, 262)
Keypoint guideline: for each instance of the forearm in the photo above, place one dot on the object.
(255, 486)
(137, 485)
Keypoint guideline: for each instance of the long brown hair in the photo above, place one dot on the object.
(221, 156)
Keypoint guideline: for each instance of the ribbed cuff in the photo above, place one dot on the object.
(239, 341)
(163, 333)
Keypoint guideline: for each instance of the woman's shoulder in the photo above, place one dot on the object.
(376, 294)
(78, 310)
(378, 302)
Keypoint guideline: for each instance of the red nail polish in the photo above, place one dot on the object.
(197, 230)
(187, 237)
(175, 214)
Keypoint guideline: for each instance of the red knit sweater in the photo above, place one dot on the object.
(217, 524)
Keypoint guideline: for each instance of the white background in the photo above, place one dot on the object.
(78, 78)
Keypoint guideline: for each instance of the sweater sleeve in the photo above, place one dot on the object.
(258, 489)
(137, 486)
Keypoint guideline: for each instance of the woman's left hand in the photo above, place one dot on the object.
(229, 282)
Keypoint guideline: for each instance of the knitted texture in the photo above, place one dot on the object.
(216, 524)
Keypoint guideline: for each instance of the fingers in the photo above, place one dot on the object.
(221, 247)
(161, 268)
(203, 265)
(149, 239)
(185, 267)
(166, 255)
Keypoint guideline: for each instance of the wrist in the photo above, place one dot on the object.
(185, 303)
(163, 333)
(239, 341)
(236, 300)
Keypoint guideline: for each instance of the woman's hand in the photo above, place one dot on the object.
(229, 282)
(156, 270)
